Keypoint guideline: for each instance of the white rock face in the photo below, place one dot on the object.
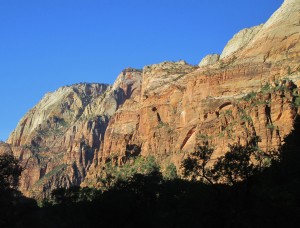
(209, 60)
(280, 32)
(240, 40)
(66, 103)
(126, 85)
(284, 13)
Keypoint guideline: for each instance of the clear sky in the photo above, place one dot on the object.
(46, 44)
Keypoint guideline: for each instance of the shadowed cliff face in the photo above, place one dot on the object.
(165, 109)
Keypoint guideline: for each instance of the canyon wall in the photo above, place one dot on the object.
(165, 109)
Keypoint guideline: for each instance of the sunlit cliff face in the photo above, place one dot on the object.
(165, 108)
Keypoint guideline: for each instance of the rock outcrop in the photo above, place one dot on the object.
(209, 60)
(165, 109)
(240, 40)
(278, 39)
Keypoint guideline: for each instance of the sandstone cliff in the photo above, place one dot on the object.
(170, 117)
(165, 109)
(59, 138)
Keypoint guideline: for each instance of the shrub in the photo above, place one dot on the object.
(112, 173)
(289, 70)
(170, 172)
(270, 126)
(297, 102)
(266, 88)
(250, 96)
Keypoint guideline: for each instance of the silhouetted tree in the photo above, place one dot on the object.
(10, 171)
(14, 207)
(195, 166)
(235, 165)
(238, 164)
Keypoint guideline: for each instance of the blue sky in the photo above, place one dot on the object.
(51, 43)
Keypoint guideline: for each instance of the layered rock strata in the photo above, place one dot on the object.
(165, 109)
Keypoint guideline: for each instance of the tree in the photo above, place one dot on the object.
(235, 166)
(12, 203)
(238, 164)
(195, 166)
(113, 172)
(10, 171)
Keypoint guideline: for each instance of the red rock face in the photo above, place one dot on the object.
(167, 125)
(165, 109)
